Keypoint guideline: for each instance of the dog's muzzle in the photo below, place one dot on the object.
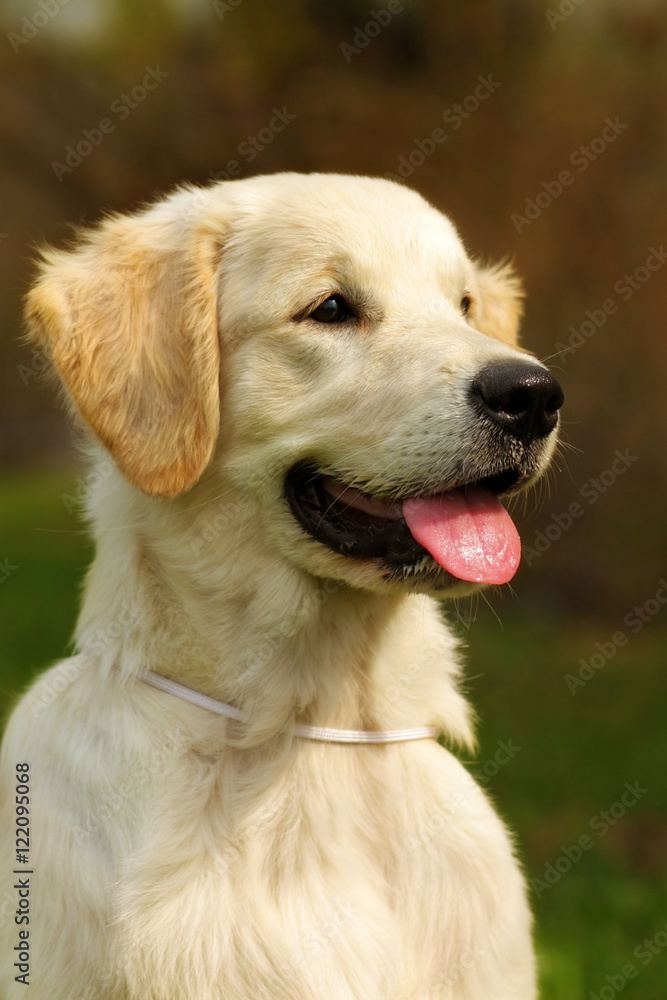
(460, 531)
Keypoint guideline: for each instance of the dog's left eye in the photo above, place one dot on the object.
(466, 302)
(333, 310)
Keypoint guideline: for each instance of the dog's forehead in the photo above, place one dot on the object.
(368, 228)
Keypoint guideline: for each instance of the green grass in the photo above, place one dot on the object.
(576, 752)
(45, 551)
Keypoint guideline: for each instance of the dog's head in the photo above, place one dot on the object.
(323, 345)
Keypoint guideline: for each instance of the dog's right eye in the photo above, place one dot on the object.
(333, 310)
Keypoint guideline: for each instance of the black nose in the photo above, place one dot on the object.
(522, 397)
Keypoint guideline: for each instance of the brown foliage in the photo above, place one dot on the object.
(554, 83)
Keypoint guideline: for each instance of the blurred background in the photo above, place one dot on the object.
(541, 130)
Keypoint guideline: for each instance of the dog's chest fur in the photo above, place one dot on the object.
(278, 884)
(292, 870)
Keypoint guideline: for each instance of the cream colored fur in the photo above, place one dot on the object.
(179, 856)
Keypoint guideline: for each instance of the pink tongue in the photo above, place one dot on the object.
(470, 534)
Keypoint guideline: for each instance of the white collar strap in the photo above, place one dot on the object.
(306, 732)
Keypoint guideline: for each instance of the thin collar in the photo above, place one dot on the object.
(320, 733)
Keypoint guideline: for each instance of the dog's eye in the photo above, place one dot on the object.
(333, 310)
(466, 302)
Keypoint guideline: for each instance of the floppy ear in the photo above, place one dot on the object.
(501, 305)
(129, 321)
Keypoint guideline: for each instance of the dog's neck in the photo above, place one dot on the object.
(173, 593)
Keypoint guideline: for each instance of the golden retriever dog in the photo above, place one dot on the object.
(304, 400)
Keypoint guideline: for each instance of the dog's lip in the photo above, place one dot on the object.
(345, 497)
(349, 497)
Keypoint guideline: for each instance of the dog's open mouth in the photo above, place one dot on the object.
(465, 531)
